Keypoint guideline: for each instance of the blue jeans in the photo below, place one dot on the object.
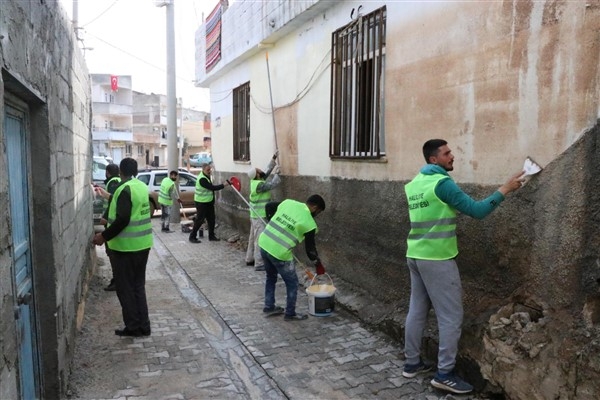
(287, 271)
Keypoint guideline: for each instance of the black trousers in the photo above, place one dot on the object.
(130, 282)
(204, 211)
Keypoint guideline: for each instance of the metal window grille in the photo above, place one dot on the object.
(241, 123)
(357, 83)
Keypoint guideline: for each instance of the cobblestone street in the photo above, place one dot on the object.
(210, 338)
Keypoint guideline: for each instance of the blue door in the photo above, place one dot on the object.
(18, 182)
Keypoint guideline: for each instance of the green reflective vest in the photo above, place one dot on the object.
(164, 195)
(203, 195)
(137, 235)
(258, 201)
(432, 233)
(286, 229)
(108, 185)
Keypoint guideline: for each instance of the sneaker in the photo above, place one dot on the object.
(451, 383)
(273, 311)
(250, 263)
(412, 370)
(259, 268)
(297, 317)
(167, 230)
(213, 239)
(194, 240)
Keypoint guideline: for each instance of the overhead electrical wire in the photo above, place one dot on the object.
(138, 58)
(99, 15)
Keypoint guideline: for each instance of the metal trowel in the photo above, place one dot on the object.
(531, 167)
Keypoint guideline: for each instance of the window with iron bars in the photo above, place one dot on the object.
(357, 88)
(241, 122)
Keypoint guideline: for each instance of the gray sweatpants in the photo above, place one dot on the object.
(434, 283)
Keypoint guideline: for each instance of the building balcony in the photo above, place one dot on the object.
(113, 135)
(101, 108)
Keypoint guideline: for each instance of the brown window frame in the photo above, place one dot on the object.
(357, 88)
(241, 122)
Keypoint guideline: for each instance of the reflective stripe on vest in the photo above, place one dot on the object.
(258, 201)
(203, 195)
(105, 202)
(432, 233)
(164, 195)
(286, 229)
(137, 235)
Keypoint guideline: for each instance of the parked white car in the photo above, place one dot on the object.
(99, 168)
(153, 178)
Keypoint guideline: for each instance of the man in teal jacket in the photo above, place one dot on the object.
(433, 202)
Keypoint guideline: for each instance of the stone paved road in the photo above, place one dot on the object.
(211, 340)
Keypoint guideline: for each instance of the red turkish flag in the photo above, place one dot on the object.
(114, 83)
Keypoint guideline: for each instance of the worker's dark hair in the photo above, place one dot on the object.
(173, 173)
(316, 200)
(432, 147)
(112, 169)
(128, 167)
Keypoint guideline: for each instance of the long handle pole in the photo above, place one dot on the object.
(271, 97)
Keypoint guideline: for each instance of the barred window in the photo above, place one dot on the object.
(357, 88)
(241, 123)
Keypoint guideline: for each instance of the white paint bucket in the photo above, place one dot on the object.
(321, 297)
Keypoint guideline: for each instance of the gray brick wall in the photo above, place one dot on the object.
(45, 72)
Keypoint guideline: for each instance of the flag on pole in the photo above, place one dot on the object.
(114, 83)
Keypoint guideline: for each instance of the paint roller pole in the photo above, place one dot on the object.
(272, 107)
(234, 186)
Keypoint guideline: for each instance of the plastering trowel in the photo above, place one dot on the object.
(531, 167)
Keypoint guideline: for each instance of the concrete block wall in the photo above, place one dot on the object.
(44, 70)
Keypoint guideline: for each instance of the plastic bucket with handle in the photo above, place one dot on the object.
(321, 296)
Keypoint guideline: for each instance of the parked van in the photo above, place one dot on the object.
(99, 169)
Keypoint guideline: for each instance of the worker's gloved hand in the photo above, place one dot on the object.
(275, 155)
(319, 267)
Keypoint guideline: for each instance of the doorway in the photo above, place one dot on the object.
(16, 143)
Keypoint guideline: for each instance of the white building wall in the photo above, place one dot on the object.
(483, 75)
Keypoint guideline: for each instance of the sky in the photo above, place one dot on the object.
(128, 37)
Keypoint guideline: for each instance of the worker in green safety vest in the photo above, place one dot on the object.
(292, 223)
(260, 195)
(112, 181)
(434, 200)
(168, 192)
(204, 200)
(129, 237)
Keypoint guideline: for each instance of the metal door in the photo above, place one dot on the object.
(16, 151)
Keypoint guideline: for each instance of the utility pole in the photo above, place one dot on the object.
(172, 161)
